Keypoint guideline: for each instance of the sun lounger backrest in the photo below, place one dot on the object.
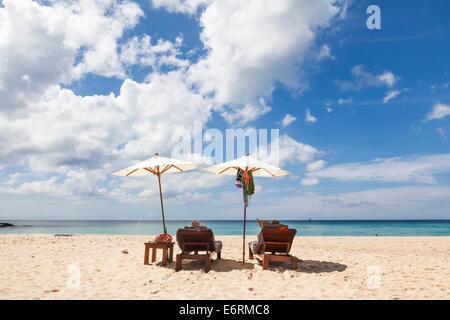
(278, 240)
(195, 240)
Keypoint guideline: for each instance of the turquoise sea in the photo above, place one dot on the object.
(235, 227)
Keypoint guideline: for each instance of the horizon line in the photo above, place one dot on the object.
(158, 220)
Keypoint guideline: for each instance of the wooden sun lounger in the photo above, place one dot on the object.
(275, 246)
(192, 241)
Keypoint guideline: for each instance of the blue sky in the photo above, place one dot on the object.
(90, 87)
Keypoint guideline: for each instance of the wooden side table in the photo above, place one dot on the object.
(157, 245)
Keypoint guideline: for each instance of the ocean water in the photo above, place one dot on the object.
(235, 227)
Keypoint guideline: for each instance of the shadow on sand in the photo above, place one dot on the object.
(308, 266)
(227, 265)
(315, 266)
(217, 265)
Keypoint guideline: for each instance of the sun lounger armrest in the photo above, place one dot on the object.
(217, 246)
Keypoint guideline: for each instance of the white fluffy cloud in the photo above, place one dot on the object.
(309, 117)
(249, 49)
(241, 114)
(316, 165)
(325, 53)
(179, 187)
(307, 182)
(414, 169)
(362, 78)
(287, 120)
(95, 31)
(292, 151)
(180, 6)
(286, 150)
(391, 95)
(140, 51)
(41, 46)
(68, 145)
(438, 111)
(72, 144)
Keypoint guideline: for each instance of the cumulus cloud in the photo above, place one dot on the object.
(419, 169)
(307, 182)
(75, 183)
(247, 43)
(41, 46)
(316, 165)
(241, 114)
(362, 78)
(140, 51)
(292, 151)
(325, 53)
(309, 118)
(177, 187)
(180, 6)
(287, 120)
(439, 111)
(67, 145)
(391, 95)
(66, 133)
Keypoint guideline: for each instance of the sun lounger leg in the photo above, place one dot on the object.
(250, 253)
(265, 262)
(219, 255)
(153, 255)
(179, 262)
(207, 263)
(294, 263)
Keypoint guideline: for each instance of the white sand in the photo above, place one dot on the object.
(39, 267)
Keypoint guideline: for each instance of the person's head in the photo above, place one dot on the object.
(275, 222)
(195, 223)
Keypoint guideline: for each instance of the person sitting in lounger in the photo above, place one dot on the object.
(274, 244)
(197, 238)
(195, 224)
(275, 224)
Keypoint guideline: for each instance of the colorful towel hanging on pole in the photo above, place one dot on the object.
(251, 184)
(244, 181)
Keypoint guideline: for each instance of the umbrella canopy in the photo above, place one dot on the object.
(157, 166)
(258, 169)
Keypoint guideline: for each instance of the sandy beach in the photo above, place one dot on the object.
(93, 267)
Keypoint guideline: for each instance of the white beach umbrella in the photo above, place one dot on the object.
(157, 166)
(258, 169)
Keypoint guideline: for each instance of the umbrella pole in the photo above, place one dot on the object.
(162, 206)
(243, 241)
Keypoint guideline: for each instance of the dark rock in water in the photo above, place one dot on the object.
(4, 224)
